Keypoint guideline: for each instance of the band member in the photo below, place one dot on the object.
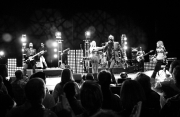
(41, 56)
(29, 62)
(65, 57)
(94, 56)
(140, 58)
(159, 57)
(114, 52)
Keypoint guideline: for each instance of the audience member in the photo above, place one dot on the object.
(6, 102)
(152, 97)
(172, 106)
(66, 76)
(106, 113)
(35, 91)
(89, 76)
(70, 92)
(167, 87)
(18, 88)
(48, 101)
(91, 98)
(3, 87)
(131, 93)
(173, 65)
(110, 101)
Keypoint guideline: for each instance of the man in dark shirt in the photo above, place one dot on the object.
(29, 59)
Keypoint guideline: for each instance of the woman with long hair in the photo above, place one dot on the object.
(94, 57)
(160, 57)
(66, 76)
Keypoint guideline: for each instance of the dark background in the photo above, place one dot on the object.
(158, 20)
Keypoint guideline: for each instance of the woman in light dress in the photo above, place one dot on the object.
(94, 56)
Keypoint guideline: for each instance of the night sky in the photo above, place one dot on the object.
(159, 20)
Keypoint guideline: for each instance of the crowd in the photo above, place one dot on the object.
(139, 97)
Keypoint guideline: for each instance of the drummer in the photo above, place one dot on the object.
(94, 56)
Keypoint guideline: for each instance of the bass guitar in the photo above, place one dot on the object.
(140, 57)
(30, 58)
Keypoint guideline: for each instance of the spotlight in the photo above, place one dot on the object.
(55, 55)
(55, 44)
(1, 53)
(58, 34)
(125, 47)
(87, 34)
(23, 39)
(55, 50)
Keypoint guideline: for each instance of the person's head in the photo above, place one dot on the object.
(111, 38)
(39, 74)
(70, 89)
(176, 76)
(93, 44)
(35, 91)
(66, 76)
(144, 80)
(31, 45)
(160, 44)
(89, 76)
(91, 96)
(173, 65)
(42, 44)
(140, 48)
(106, 113)
(104, 78)
(19, 74)
(123, 75)
(131, 93)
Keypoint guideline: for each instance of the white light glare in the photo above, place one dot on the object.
(87, 34)
(55, 55)
(55, 50)
(125, 47)
(55, 44)
(58, 34)
(23, 39)
(125, 43)
(1, 53)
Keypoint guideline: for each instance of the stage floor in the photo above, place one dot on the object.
(52, 81)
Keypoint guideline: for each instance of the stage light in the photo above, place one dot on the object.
(125, 43)
(1, 53)
(55, 49)
(58, 34)
(87, 34)
(23, 38)
(125, 47)
(55, 44)
(55, 56)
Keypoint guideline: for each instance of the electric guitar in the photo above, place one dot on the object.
(140, 57)
(30, 58)
(66, 50)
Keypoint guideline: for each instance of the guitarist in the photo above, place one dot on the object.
(29, 64)
(41, 56)
(140, 58)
